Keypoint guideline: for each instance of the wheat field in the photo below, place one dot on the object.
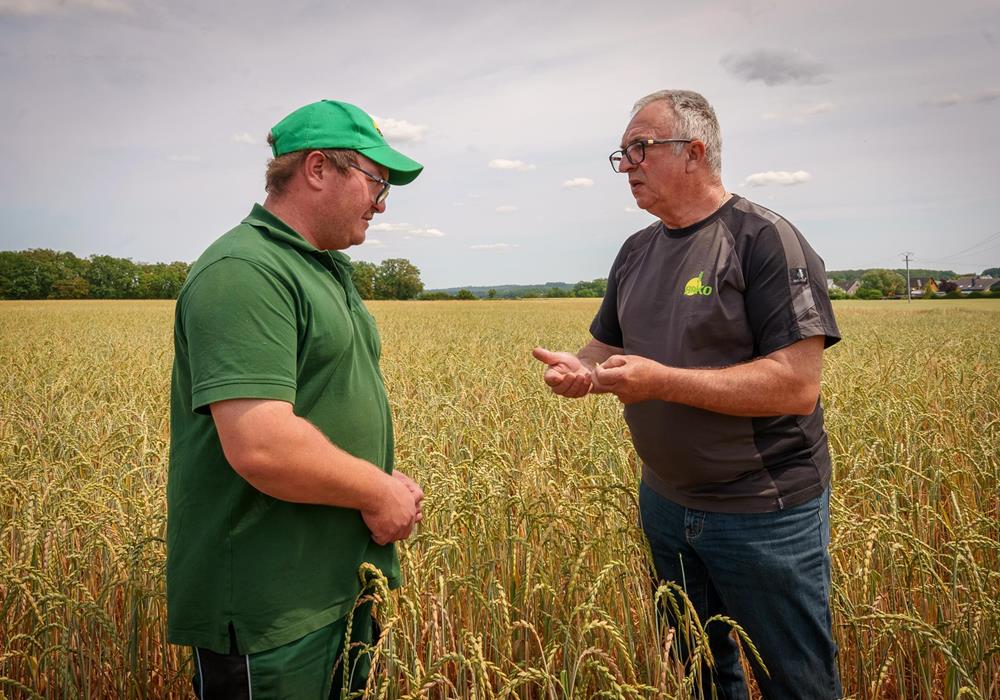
(527, 578)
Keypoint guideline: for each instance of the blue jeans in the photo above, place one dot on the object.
(768, 571)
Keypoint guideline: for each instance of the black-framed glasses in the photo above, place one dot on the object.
(636, 151)
(382, 193)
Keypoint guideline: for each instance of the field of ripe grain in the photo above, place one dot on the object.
(527, 577)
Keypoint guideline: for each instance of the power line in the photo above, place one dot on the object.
(972, 247)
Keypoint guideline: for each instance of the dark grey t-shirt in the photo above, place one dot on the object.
(734, 287)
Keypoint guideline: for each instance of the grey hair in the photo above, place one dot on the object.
(694, 118)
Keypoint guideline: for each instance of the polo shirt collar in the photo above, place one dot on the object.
(268, 223)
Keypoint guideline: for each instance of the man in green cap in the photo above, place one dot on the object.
(281, 486)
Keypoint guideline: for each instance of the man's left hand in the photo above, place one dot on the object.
(631, 378)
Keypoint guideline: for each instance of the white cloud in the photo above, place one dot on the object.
(982, 97)
(775, 67)
(946, 100)
(633, 210)
(987, 95)
(61, 7)
(373, 243)
(506, 208)
(246, 138)
(400, 130)
(578, 182)
(778, 177)
(184, 158)
(390, 227)
(493, 246)
(409, 230)
(818, 108)
(802, 112)
(504, 164)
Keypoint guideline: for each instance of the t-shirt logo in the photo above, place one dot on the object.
(695, 287)
(798, 275)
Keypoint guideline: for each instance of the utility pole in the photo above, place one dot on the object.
(907, 256)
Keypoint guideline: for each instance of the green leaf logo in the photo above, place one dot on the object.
(694, 287)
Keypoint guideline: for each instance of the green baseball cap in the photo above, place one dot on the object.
(332, 124)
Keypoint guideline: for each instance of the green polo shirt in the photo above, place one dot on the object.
(265, 315)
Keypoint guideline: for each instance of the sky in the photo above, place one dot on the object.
(137, 129)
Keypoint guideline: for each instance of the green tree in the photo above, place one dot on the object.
(70, 288)
(17, 277)
(397, 278)
(492, 294)
(592, 289)
(466, 295)
(113, 278)
(991, 272)
(868, 293)
(161, 280)
(886, 282)
(556, 293)
(363, 273)
(30, 274)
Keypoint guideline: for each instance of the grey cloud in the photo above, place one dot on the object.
(987, 96)
(773, 67)
(954, 99)
(36, 8)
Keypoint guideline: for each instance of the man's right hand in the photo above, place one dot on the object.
(393, 517)
(565, 374)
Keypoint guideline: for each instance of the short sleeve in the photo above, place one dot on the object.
(606, 327)
(239, 322)
(786, 297)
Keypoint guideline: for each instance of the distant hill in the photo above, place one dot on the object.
(509, 291)
(843, 279)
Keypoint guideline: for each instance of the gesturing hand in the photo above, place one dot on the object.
(631, 378)
(565, 374)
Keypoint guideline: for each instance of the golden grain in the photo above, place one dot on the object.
(527, 577)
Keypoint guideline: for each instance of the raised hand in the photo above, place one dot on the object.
(564, 373)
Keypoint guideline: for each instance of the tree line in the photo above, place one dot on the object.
(550, 290)
(48, 274)
(41, 273)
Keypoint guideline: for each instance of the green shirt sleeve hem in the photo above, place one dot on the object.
(280, 391)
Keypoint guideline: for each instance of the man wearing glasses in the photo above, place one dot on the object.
(712, 333)
(281, 483)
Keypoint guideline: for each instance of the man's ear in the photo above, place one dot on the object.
(695, 156)
(313, 170)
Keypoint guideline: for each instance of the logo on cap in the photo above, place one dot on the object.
(375, 124)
